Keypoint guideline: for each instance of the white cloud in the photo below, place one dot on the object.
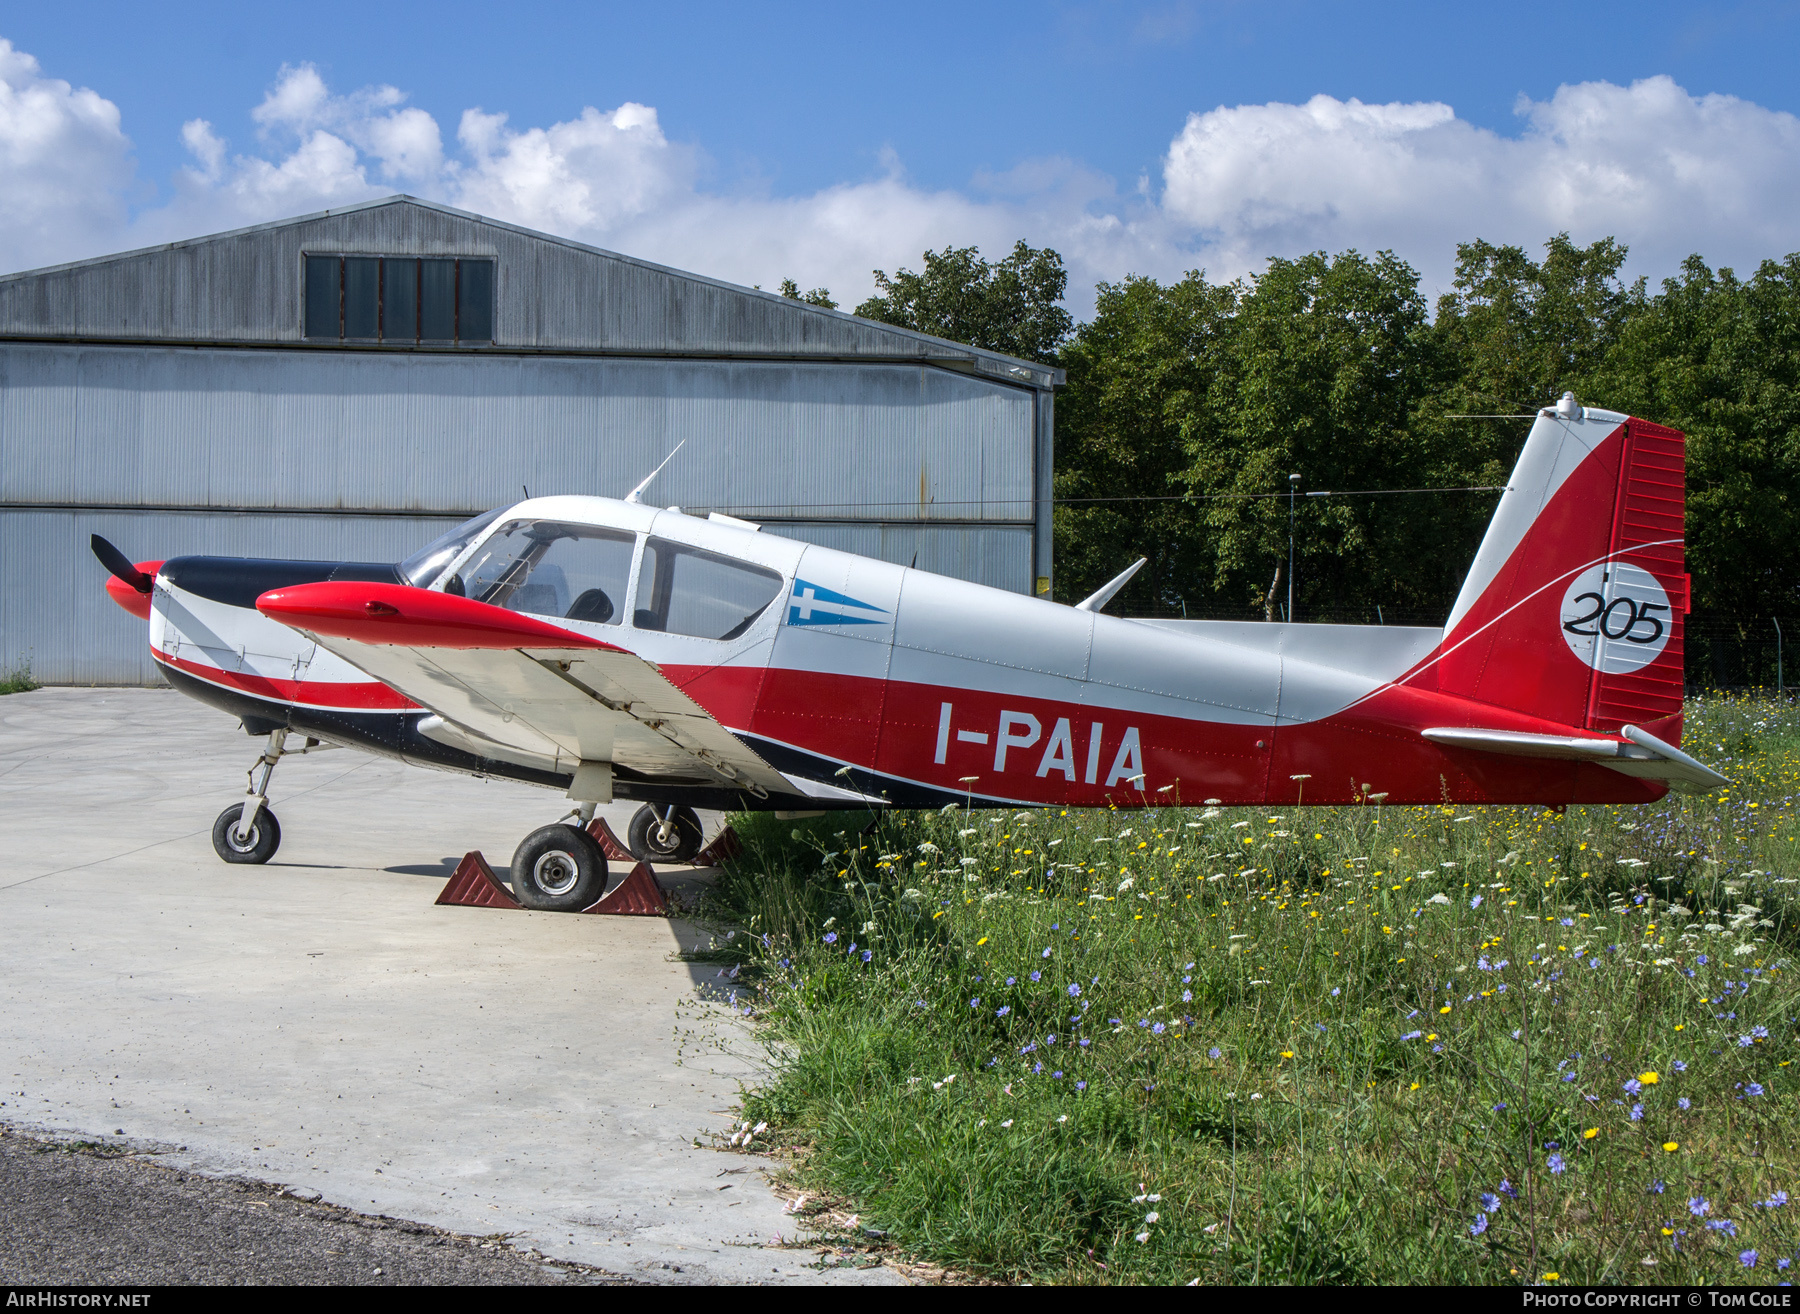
(1664, 171)
(64, 166)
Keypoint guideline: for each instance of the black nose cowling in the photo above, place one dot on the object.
(120, 565)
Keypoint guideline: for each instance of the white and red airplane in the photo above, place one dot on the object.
(608, 649)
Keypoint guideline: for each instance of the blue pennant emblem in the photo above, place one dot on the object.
(813, 604)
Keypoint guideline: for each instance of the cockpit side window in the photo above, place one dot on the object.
(682, 590)
(547, 568)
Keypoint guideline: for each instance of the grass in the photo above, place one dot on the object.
(17, 680)
(1296, 1045)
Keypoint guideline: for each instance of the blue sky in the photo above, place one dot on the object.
(817, 140)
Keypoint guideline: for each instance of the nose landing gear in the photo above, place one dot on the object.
(248, 832)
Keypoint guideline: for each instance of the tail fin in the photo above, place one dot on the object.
(1573, 609)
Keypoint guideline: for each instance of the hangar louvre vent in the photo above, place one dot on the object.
(399, 300)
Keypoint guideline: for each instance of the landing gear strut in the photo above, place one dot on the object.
(248, 832)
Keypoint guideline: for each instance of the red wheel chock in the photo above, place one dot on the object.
(724, 847)
(474, 885)
(609, 842)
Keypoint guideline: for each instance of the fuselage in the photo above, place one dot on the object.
(862, 681)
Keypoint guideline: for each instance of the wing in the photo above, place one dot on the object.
(522, 684)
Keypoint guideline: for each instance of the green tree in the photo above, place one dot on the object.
(1327, 362)
(1144, 364)
(819, 296)
(1012, 307)
(1719, 358)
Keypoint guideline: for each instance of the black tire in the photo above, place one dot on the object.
(683, 843)
(264, 838)
(558, 869)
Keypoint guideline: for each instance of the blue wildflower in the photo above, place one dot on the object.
(1637, 1112)
(867, 955)
(1036, 976)
(1655, 1188)
(1753, 1089)
(1157, 1030)
(1479, 1226)
(1724, 1225)
(1074, 990)
(1678, 1066)
(1701, 959)
(1507, 1189)
(1046, 952)
(831, 937)
(1747, 1258)
(1475, 902)
(1213, 1053)
(1555, 1163)
(1081, 1085)
(1684, 1104)
(1699, 1206)
(1003, 1010)
(975, 1003)
(1776, 1199)
(1490, 1203)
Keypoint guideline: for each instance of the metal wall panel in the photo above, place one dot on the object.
(550, 294)
(995, 555)
(56, 618)
(181, 427)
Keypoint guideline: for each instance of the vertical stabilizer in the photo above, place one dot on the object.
(1573, 609)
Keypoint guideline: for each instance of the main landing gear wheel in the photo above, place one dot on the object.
(669, 834)
(558, 869)
(256, 847)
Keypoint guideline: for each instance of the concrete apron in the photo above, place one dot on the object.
(319, 1022)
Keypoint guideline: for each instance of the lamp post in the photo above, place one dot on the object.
(1293, 492)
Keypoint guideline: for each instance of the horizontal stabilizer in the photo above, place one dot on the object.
(1641, 753)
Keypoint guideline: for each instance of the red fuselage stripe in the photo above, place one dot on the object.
(370, 696)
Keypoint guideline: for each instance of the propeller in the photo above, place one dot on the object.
(120, 565)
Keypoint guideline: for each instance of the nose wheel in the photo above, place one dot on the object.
(257, 845)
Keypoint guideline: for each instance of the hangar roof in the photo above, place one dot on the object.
(552, 295)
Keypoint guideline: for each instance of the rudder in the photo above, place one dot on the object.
(1573, 610)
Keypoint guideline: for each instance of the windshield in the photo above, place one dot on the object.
(573, 572)
(423, 567)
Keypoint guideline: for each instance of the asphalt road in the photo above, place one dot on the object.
(77, 1216)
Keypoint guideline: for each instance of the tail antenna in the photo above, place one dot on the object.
(637, 494)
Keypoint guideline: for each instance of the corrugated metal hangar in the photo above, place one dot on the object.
(346, 385)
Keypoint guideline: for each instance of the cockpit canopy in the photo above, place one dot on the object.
(579, 572)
